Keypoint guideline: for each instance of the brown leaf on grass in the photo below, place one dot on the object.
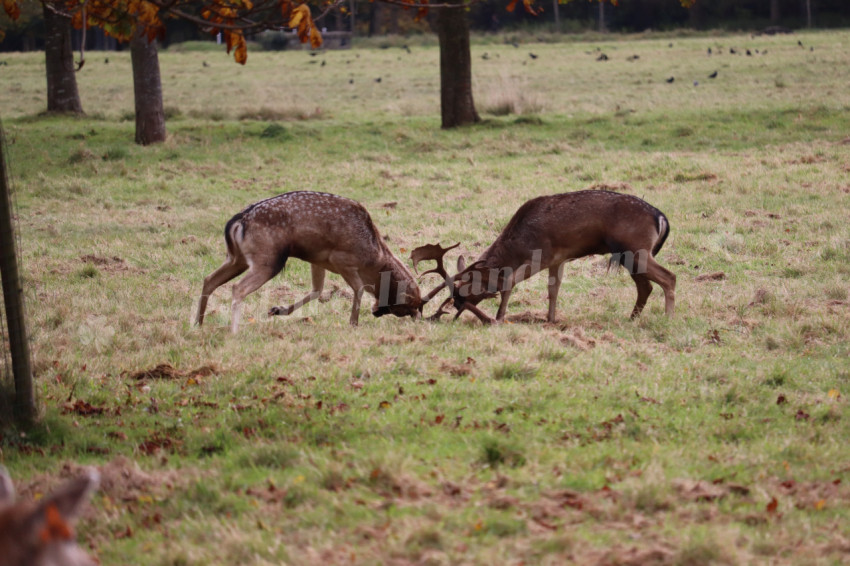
(392, 204)
(156, 443)
(714, 276)
(801, 415)
(781, 400)
(83, 408)
(635, 556)
(772, 506)
(698, 490)
(646, 399)
(167, 371)
(456, 370)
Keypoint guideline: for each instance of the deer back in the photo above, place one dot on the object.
(572, 225)
(307, 225)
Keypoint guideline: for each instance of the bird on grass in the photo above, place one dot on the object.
(671, 79)
(713, 75)
(533, 55)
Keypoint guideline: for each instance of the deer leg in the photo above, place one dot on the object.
(644, 288)
(318, 274)
(556, 273)
(256, 277)
(353, 279)
(229, 269)
(503, 306)
(665, 279)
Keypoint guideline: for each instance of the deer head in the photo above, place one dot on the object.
(41, 534)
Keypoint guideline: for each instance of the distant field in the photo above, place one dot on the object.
(719, 436)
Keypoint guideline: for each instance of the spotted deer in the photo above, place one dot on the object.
(550, 230)
(330, 232)
(41, 533)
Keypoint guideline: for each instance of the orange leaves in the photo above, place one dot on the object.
(12, 9)
(235, 41)
(315, 37)
(527, 4)
(421, 12)
(240, 54)
(301, 20)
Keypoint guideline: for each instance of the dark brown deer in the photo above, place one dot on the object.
(546, 232)
(41, 534)
(331, 233)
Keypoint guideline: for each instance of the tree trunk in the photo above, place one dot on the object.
(62, 93)
(24, 410)
(456, 104)
(774, 12)
(695, 15)
(602, 27)
(147, 90)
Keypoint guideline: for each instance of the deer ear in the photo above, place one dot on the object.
(7, 488)
(461, 264)
(66, 503)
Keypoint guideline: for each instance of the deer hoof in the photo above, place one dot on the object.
(275, 311)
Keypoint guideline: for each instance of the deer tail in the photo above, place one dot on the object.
(234, 231)
(663, 232)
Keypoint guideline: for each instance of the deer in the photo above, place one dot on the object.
(331, 233)
(547, 231)
(41, 533)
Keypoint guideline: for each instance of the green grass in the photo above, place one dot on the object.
(593, 439)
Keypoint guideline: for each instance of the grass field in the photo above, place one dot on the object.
(719, 436)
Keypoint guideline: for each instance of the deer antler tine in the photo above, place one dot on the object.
(440, 311)
(482, 316)
(431, 251)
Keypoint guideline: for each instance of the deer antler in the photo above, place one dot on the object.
(435, 252)
(431, 251)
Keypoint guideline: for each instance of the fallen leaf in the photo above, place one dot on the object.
(715, 276)
(772, 506)
(83, 408)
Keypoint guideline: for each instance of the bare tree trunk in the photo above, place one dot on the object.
(456, 105)
(147, 90)
(695, 15)
(24, 410)
(774, 12)
(62, 93)
(602, 27)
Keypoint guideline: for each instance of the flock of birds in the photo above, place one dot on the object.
(718, 50)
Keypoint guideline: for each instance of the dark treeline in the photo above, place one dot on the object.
(641, 15)
(376, 18)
